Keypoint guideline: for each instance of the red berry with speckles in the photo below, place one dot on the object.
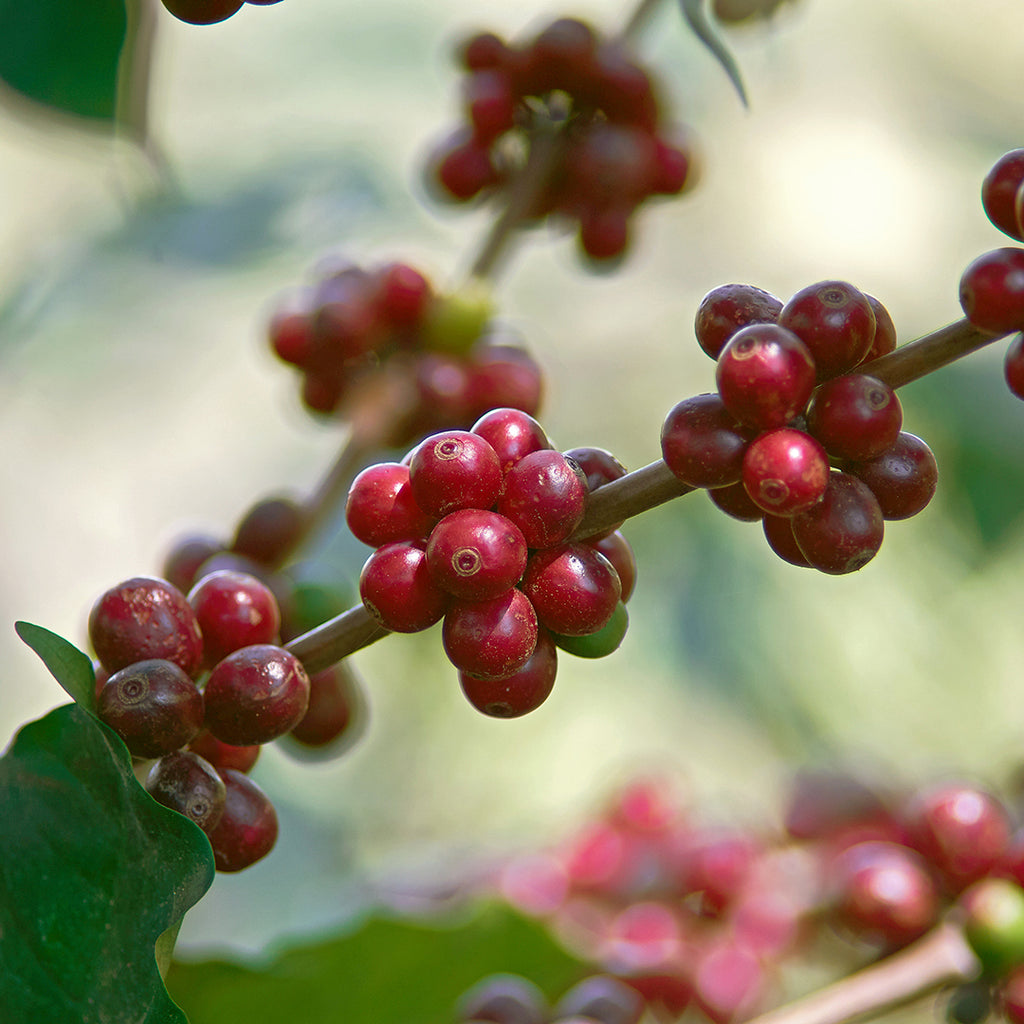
(992, 291)
(573, 587)
(544, 496)
(729, 307)
(475, 554)
(785, 471)
(247, 829)
(454, 469)
(186, 783)
(855, 417)
(512, 433)
(491, 639)
(380, 507)
(234, 610)
(702, 442)
(398, 590)
(519, 693)
(903, 478)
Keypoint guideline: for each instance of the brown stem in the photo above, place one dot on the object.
(942, 957)
(336, 639)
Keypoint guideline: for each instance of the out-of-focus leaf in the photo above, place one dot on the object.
(67, 664)
(92, 872)
(697, 18)
(387, 972)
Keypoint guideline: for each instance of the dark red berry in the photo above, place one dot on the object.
(855, 417)
(604, 231)
(727, 308)
(503, 999)
(1011, 995)
(182, 562)
(203, 12)
(512, 434)
(544, 496)
(734, 501)
(336, 703)
(490, 103)
(248, 827)
(778, 531)
(999, 192)
(255, 695)
(785, 471)
(234, 610)
(152, 705)
(992, 291)
(403, 295)
(702, 442)
(290, 329)
(1013, 366)
(185, 782)
(483, 50)
(144, 618)
(491, 639)
(454, 469)
(380, 507)
(269, 530)
(835, 321)
(573, 588)
(903, 478)
(884, 341)
(599, 466)
(224, 755)
(619, 552)
(519, 693)
(398, 590)
(611, 164)
(464, 169)
(844, 530)
(502, 375)
(475, 554)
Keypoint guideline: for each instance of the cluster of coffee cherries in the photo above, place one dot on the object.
(992, 287)
(602, 105)
(475, 527)
(795, 438)
(708, 917)
(209, 12)
(447, 362)
(197, 684)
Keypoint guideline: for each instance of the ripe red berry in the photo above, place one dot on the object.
(182, 562)
(884, 341)
(454, 469)
(855, 417)
(398, 590)
(512, 434)
(734, 501)
(573, 588)
(475, 554)
(727, 308)
(519, 693)
(336, 707)
(403, 295)
(992, 291)
(604, 231)
(144, 618)
(490, 103)
(255, 695)
(778, 531)
(619, 552)
(785, 471)
(269, 530)
(234, 610)
(247, 829)
(903, 478)
(380, 507)
(999, 192)
(544, 496)
(491, 639)
(702, 442)
(1013, 366)
(224, 755)
(203, 12)
(188, 784)
(502, 375)
(464, 168)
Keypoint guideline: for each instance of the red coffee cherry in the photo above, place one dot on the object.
(491, 639)
(475, 554)
(835, 321)
(734, 501)
(512, 434)
(454, 469)
(765, 376)
(186, 783)
(490, 103)
(844, 530)
(573, 588)
(234, 610)
(144, 618)
(903, 478)
(483, 50)
(403, 295)
(702, 442)
(785, 471)
(255, 695)
(398, 590)
(727, 308)
(152, 705)
(203, 12)
(778, 531)
(992, 291)
(1013, 366)
(269, 530)
(519, 693)
(544, 496)
(604, 231)
(247, 829)
(855, 417)
(999, 192)
(222, 755)
(463, 167)
(884, 341)
(729, 981)
(502, 376)
(336, 704)
(380, 507)
(187, 554)
(619, 552)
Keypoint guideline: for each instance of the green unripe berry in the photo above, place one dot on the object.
(454, 322)
(601, 643)
(994, 923)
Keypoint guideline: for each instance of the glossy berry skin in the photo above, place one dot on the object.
(512, 434)
(778, 531)
(573, 588)
(702, 442)
(727, 308)
(248, 827)
(619, 552)
(765, 376)
(835, 321)
(844, 530)
(544, 496)
(144, 618)
(785, 471)
(519, 693)
(398, 590)
(475, 554)
(503, 999)
(992, 291)
(222, 755)
(380, 507)
(203, 12)
(491, 639)
(454, 469)
(999, 192)
(599, 467)
(152, 705)
(884, 340)
(234, 610)
(255, 695)
(855, 416)
(735, 502)
(903, 478)
(188, 784)
(1013, 366)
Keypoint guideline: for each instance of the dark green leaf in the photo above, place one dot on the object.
(92, 872)
(64, 54)
(67, 664)
(696, 17)
(387, 972)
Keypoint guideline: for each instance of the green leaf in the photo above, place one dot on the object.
(67, 664)
(92, 872)
(64, 54)
(387, 972)
(696, 17)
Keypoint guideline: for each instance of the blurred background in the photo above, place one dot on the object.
(138, 399)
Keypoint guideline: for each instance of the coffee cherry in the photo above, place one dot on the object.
(785, 471)
(152, 705)
(544, 496)
(380, 508)
(454, 469)
(398, 590)
(600, 644)
(203, 12)
(463, 168)
(247, 829)
(500, 376)
(255, 695)
(491, 639)
(234, 610)
(504, 999)
(835, 321)
(186, 783)
(844, 530)
(144, 618)
(222, 755)
(604, 232)
(335, 705)
(734, 501)
(603, 999)
(269, 530)
(1013, 366)
(778, 531)
(702, 442)
(483, 50)
(729, 981)
(727, 308)
(475, 554)
(992, 291)
(999, 192)
(290, 329)
(855, 417)
(903, 478)
(182, 562)
(884, 340)
(599, 467)
(490, 103)
(765, 375)
(519, 693)
(573, 588)
(512, 434)
(618, 551)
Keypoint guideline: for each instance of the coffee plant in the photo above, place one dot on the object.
(754, 774)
